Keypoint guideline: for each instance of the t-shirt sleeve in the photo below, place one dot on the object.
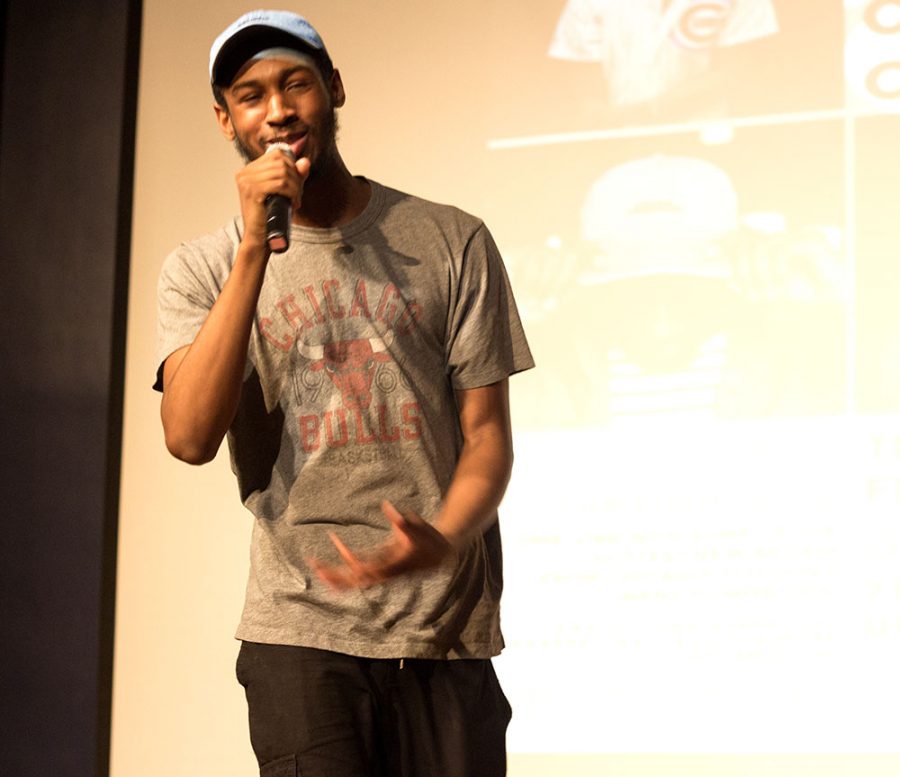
(186, 291)
(486, 341)
(579, 33)
(749, 20)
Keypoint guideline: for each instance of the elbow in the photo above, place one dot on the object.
(189, 450)
(190, 454)
(187, 438)
(192, 457)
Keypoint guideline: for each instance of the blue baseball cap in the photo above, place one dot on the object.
(259, 30)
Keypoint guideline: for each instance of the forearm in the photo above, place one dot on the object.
(202, 390)
(479, 482)
(469, 506)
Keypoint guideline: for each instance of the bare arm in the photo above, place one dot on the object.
(202, 381)
(484, 466)
(475, 491)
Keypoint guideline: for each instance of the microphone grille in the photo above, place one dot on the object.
(284, 148)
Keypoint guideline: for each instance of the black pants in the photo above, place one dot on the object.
(314, 713)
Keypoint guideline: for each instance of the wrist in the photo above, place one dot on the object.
(253, 248)
(455, 539)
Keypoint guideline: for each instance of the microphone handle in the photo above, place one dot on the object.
(278, 211)
(278, 223)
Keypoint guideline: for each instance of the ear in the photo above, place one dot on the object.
(338, 96)
(223, 118)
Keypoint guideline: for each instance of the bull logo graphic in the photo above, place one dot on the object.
(350, 365)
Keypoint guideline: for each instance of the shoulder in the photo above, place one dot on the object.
(211, 254)
(402, 209)
(214, 245)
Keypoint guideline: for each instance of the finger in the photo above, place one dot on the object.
(302, 168)
(397, 518)
(346, 554)
(356, 567)
(336, 578)
(402, 520)
(259, 184)
(339, 577)
(404, 525)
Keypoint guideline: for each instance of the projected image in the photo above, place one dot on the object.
(877, 254)
(678, 303)
(872, 55)
(714, 424)
(660, 56)
(689, 307)
(609, 65)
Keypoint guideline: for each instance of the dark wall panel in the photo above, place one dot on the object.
(66, 159)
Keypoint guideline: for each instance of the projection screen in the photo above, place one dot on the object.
(697, 203)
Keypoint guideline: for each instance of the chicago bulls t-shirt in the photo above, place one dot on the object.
(362, 334)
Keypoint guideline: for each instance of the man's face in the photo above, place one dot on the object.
(282, 101)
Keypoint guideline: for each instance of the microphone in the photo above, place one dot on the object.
(278, 211)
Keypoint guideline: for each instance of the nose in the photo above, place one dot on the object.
(279, 110)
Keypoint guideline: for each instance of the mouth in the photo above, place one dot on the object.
(296, 141)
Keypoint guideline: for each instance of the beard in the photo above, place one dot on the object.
(246, 154)
(329, 134)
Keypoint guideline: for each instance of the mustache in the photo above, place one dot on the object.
(332, 128)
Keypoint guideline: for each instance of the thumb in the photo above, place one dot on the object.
(303, 165)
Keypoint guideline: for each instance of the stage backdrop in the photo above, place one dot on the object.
(697, 205)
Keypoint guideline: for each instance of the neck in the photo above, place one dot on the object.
(332, 197)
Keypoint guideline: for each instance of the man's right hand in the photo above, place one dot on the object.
(272, 173)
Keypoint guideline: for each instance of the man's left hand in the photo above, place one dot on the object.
(414, 545)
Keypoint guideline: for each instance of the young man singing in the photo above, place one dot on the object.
(360, 376)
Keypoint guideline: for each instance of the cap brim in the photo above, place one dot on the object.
(245, 43)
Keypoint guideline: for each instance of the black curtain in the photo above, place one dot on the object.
(69, 89)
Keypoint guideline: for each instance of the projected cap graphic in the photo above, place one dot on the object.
(872, 55)
(659, 215)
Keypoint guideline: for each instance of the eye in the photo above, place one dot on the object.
(248, 97)
(299, 84)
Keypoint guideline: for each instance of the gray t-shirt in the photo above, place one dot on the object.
(362, 333)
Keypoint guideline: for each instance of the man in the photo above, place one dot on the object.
(361, 379)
